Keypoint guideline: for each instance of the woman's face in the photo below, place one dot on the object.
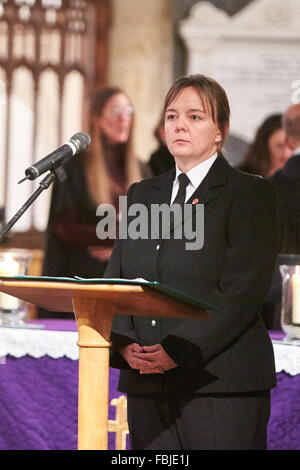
(116, 119)
(191, 134)
(279, 151)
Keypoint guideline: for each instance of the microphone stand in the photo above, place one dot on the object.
(58, 174)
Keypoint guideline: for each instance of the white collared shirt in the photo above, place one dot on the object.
(196, 176)
(296, 151)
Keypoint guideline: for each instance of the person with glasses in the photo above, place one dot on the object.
(98, 176)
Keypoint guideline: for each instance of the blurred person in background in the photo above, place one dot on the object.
(287, 184)
(98, 176)
(268, 152)
(161, 160)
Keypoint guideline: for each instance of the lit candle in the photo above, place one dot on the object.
(8, 267)
(296, 297)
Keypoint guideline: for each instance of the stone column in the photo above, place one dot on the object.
(141, 54)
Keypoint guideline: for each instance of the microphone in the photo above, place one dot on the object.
(78, 143)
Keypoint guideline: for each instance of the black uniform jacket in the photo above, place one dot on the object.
(229, 351)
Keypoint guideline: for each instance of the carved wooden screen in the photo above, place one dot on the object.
(47, 68)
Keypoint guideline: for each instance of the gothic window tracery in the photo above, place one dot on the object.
(47, 68)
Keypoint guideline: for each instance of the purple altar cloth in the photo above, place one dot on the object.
(38, 400)
(277, 335)
(56, 325)
(284, 424)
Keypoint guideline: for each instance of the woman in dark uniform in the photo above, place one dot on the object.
(200, 384)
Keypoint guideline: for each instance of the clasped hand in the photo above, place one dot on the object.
(147, 359)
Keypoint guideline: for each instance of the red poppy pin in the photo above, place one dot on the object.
(195, 201)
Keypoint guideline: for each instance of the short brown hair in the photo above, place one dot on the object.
(213, 97)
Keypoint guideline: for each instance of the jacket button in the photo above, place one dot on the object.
(157, 247)
(153, 323)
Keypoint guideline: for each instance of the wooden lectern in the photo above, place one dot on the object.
(94, 305)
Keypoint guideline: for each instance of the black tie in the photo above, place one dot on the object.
(181, 195)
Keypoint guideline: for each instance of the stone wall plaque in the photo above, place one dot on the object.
(254, 55)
